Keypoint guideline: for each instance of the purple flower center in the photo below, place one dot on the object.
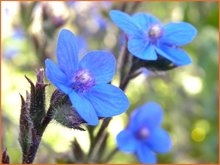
(155, 32)
(143, 133)
(82, 80)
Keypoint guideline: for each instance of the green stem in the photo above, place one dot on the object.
(94, 155)
(124, 61)
(99, 135)
(111, 154)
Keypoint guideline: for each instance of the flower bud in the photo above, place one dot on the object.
(161, 64)
(37, 99)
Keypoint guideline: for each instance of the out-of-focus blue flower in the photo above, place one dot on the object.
(13, 44)
(18, 33)
(144, 136)
(10, 53)
(70, 3)
(93, 14)
(85, 82)
(100, 21)
(147, 37)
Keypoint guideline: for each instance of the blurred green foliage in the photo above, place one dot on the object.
(189, 95)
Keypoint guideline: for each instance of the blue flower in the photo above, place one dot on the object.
(147, 37)
(144, 136)
(85, 82)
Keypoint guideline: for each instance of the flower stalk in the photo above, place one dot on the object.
(126, 69)
(33, 118)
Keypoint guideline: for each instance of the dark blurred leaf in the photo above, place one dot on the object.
(102, 149)
(26, 11)
(5, 157)
(78, 153)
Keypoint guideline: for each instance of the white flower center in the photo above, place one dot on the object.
(82, 80)
(155, 31)
(143, 133)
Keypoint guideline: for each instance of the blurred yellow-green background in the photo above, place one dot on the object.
(188, 95)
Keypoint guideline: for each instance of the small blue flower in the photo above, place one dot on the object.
(147, 37)
(85, 82)
(144, 136)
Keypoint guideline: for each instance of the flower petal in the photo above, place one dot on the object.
(145, 20)
(137, 46)
(126, 141)
(145, 155)
(142, 49)
(149, 53)
(67, 52)
(57, 77)
(159, 141)
(125, 23)
(178, 33)
(149, 115)
(177, 55)
(101, 64)
(84, 108)
(108, 100)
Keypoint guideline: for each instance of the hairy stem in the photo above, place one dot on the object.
(47, 119)
(36, 137)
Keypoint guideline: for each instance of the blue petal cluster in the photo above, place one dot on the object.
(147, 37)
(144, 136)
(85, 82)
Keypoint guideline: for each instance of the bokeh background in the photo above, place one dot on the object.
(188, 95)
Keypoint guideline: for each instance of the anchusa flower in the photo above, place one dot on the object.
(143, 135)
(86, 82)
(148, 38)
